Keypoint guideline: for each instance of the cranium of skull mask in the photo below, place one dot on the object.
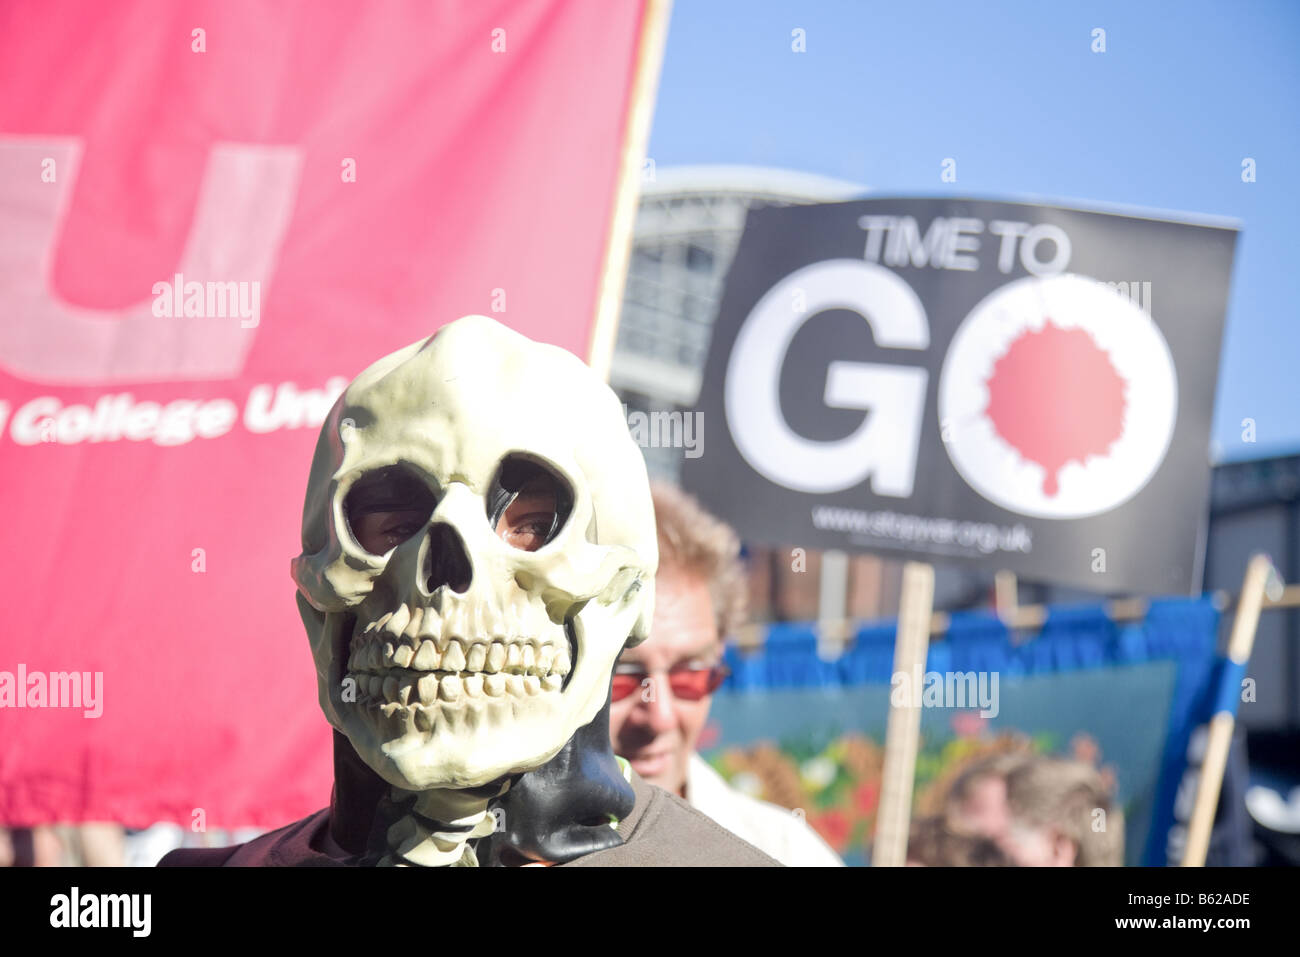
(478, 546)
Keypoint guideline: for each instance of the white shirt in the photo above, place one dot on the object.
(775, 831)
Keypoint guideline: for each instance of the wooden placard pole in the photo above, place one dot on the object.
(1006, 596)
(1244, 625)
(903, 732)
(833, 603)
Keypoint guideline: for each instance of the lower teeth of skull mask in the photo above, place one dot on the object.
(476, 580)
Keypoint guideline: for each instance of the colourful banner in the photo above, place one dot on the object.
(805, 732)
(212, 215)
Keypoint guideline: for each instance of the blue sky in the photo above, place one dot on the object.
(1014, 92)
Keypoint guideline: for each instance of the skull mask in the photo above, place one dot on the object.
(458, 656)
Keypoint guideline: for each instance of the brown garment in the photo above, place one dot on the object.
(662, 831)
(665, 831)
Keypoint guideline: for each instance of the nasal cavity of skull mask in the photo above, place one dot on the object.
(527, 504)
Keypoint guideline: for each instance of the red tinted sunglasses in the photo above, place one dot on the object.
(688, 683)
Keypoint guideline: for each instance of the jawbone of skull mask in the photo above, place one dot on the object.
(455, 679)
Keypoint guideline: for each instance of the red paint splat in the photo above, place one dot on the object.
(1055, 396)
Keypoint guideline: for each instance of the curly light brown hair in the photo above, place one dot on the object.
(693, 541)
(1072, 797)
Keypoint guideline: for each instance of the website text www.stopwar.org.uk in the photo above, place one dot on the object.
(940, 533)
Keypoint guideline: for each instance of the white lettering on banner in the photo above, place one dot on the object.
(945, 244)
(242, 215)
(897, 241)
(913, 529)
(885, 446)
(290, 409)
(120, 416)
(1013, 233)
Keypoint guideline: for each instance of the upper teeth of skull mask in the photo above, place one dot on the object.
(478, 546)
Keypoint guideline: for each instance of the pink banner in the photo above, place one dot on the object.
(212, 216)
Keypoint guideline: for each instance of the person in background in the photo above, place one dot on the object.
(92, 844)
(662, 689)
(1062, 815)
(1041, 811)
(932, 843)
(30, 847)
(976, 803)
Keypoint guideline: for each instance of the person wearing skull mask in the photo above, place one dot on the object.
(478, 548)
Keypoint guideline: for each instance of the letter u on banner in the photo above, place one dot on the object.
(243, 212)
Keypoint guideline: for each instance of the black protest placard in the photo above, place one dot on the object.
(1029, 387)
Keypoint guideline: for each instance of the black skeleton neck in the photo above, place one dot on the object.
(556, 813)
(563, 810)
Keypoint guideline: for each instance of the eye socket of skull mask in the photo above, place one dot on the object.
(527, 504)
(386, 507)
